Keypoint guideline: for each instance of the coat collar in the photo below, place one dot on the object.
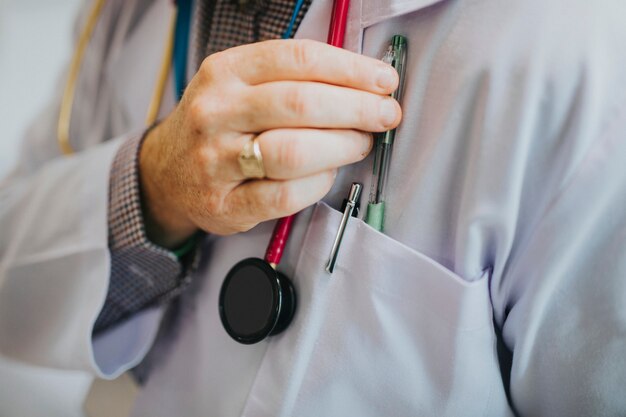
(375, 11)
(362, 13)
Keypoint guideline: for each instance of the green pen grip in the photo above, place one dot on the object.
(376, 215)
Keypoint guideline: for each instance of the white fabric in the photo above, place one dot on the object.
(54, 265)
(54, 259)
(506, 226)
(390, 333)
(492, 164)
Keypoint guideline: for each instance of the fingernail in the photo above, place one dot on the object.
(386, 77)
(388, 112)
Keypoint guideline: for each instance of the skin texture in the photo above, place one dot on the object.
(311, 107)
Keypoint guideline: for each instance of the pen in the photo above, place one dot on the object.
(351, 203)
(396, 57)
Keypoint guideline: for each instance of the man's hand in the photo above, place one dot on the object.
(311, 107)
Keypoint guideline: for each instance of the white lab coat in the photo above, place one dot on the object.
(505, 231)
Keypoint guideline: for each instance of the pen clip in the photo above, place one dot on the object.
(351, 203)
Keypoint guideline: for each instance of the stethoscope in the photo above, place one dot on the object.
(256, 300)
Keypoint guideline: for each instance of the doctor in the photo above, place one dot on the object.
(498, 287)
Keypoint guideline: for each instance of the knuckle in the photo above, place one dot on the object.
(197, 112)
(296, 101)
(209, 160)
(207, 67)
(353, 68)
(237, 211)
(252, 106)
(302, 54)
(289, 156)
(220, 67)
(285, 199)
(211, 64)
(364, 111)
(208, 112)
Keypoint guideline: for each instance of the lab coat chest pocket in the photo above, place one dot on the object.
(390, 333)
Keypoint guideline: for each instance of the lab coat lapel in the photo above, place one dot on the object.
(374, 11)
(362, 14)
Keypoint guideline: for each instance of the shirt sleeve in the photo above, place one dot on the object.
(142, 273)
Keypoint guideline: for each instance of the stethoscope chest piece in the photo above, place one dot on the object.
(256, 301)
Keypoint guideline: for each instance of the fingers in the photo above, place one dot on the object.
(311, 104)
(294, 153)
(256, 201)
(307, 104)
(306, 60)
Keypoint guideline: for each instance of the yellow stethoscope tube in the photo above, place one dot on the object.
(65, 115)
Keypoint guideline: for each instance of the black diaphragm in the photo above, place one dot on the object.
(256, 301)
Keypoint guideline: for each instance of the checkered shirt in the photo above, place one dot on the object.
(142, 273)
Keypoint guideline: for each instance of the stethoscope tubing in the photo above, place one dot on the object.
(336, 35)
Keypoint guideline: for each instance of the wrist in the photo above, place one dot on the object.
(165, 223)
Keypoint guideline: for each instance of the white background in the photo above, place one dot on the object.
(35, 45)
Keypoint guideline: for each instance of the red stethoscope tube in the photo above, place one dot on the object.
(336, 34)
(338, 20)
(278, 241)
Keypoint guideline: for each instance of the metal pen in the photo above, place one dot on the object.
(396, 57)
(351, 203)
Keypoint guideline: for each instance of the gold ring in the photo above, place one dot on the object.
(251, 160)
